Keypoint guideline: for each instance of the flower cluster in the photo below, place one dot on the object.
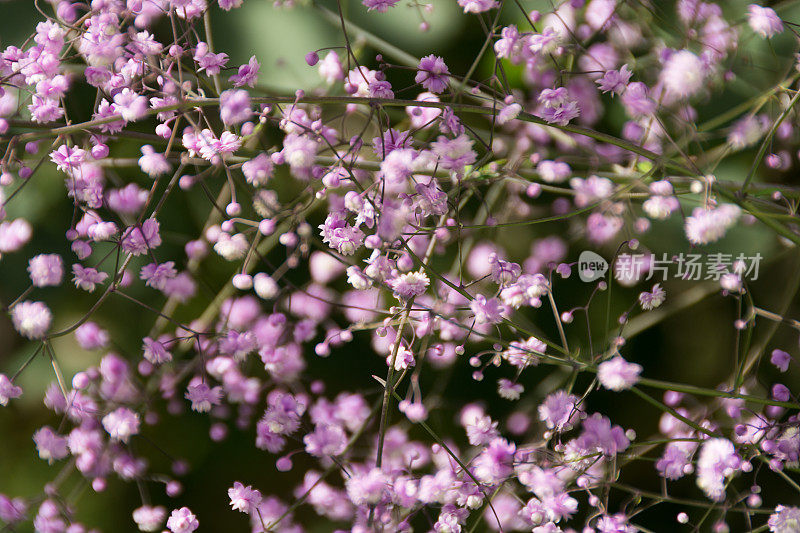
(429, 231)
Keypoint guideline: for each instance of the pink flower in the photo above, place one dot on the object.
(406, 286)
(557, 106)
(211, 63)
(139, 240)
(338, 234)
(325, 440)
(654, 298)
(415, 411)
(46, 270)
(716, 464)
(8, 390)
(227, 5)
(157, 275)
(503, 272)
(780, 359)
(617, 523)
(258, 170)
(234, 106)
(683, 74)
(330, 68)
(543, 43)
(615, 81)
(244, 499)
(495, 462)
(477, 6)
(710, 225)
(487, 311)
(182, 521)
(90, 336)
(599, 435)
(509, 390)
(86, 277)
(131, 106)
(50, 445)
(432, 73)
(128, 200)
(121, 424)
(152, 163)
(203, 397)
(381, 6)
(508, 113)
(366, 488)
(149, 518)
(155, 351)
(14, 234)
(247, 74)
(67, 159)
(12, 510)
(617, 374)
(559, 410)
(764, 21)
(44, 110)
(454, 154)
(785, 519)
(31, 319)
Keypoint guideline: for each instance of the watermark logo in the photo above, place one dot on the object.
(591, 266)
(632, 268)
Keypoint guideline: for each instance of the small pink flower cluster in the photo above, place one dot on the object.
(343, 229)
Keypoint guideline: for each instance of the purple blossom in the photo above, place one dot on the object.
(616, 374)
(326, 439)
(87, 278)
(409, 285)
(683, 74)
(366, 487)
(615, 81)
(764, 21)
(130, 106)
(50, 445)
(244, 499)
(234, 106)
(495, 463)
(785, 519)
(599, 435)
(209, 62)
(557, 107)
(203, 397)
(454, 154)
(90, 336)
(31, 319)
(149, 518)
(487, 311)
(14, 234)
(139, 240)
(182, 521)
(716, 464)
(381, 6)
(46, 270)
(780, 359)
(258, 170)
(710, 225)
(152, 163)
(156, 275)
(8, 390)
(433, 74)
(477, 6)
(247, 74)
(121, 424)
(559, 410)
